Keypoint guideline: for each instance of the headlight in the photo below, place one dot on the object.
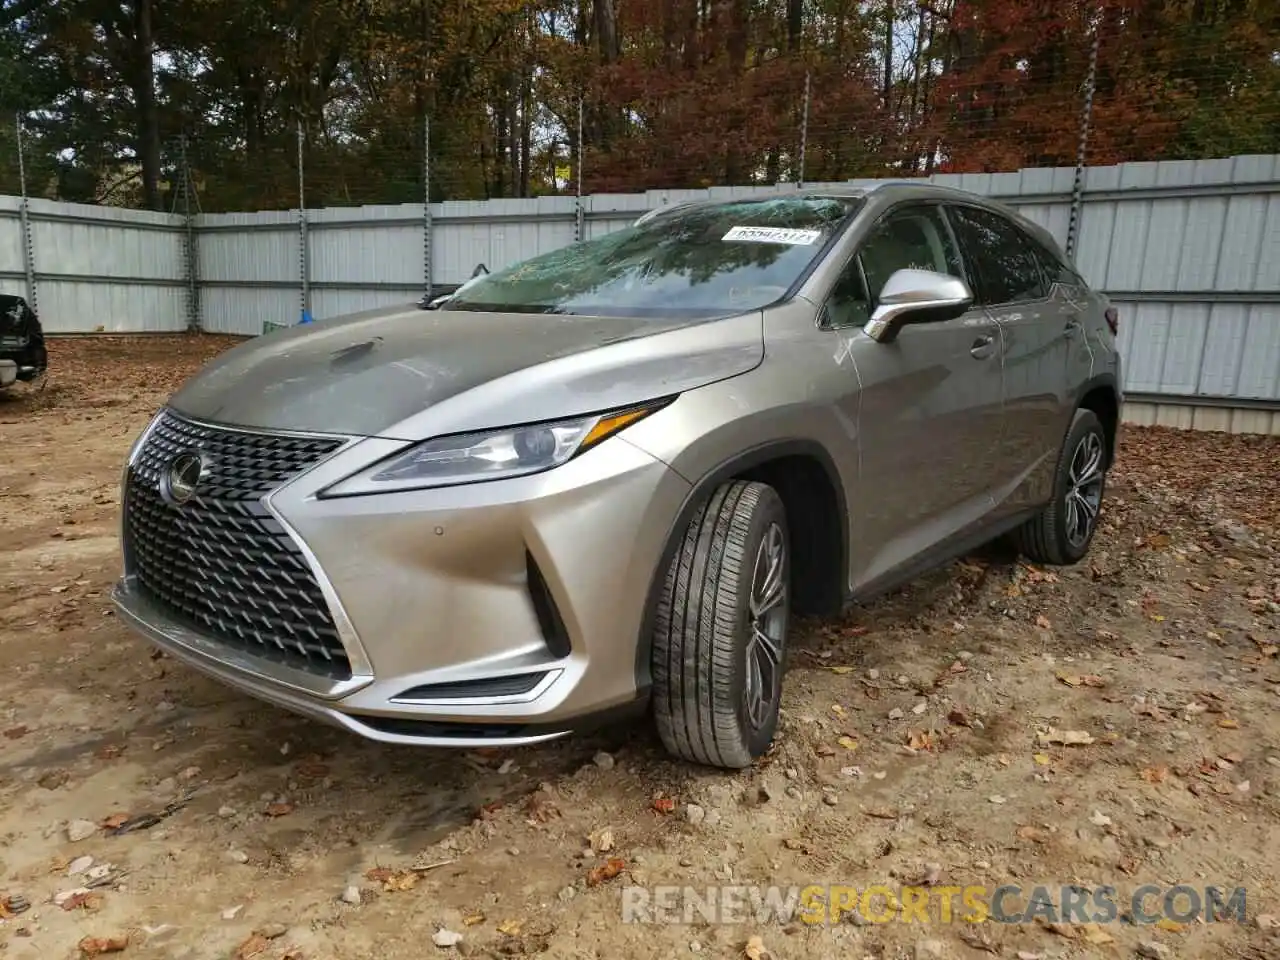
(488, 455)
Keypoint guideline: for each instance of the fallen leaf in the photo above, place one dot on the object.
(402, 880)
(16, 733)
(490, 810)
(823, 750)
(96, 946)
(1164, 923)
(82, 901)
(1094, 934)
(664, 805)
(838, 710)
(1155, 774)
(540, 809)
(848, 743)
(1041, 759)
(606, 871)
(393, 881)
(881, 813)
(601, 840)
(754, 949)
(510, 928)
(841, 670)
(279, 809)
(1064, 930)
(115, 820)
(1068, 738)
(979, 940)
(1080, 680)
(919, 740)
(472, 920)
(251, 947)
(1226, 723)
(1034, 834)
(1043, 622)
(959, 718)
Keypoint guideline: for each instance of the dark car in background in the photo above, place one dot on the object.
(22, 351)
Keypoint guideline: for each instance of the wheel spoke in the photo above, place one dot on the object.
(1087, 507)
(767, 649)
(1072, 519)
(768, 583)
(758, 695)
(1086, 466)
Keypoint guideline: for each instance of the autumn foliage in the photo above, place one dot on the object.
(666, 93)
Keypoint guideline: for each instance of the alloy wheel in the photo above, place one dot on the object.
(767, 621)
(1084, 489)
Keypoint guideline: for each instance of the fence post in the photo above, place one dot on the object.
(191, 248)
(804, 131)
(304, 264)
(24, 219)
(578, 217)
(1086, 118)
(426, 206)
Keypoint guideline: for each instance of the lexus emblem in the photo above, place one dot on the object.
(182, 476)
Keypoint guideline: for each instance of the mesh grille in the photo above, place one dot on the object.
(220, 563)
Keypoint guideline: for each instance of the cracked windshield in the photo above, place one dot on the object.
(707, 260)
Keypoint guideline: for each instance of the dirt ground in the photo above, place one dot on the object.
(912, 750)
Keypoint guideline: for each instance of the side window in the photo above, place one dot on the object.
(1053, 268)
(913, 237)
(1007, 268)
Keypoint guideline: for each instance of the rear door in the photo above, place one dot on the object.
(928, 416)
(1036, 328)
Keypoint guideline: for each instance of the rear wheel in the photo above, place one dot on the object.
(1062, 533)
(719, 645)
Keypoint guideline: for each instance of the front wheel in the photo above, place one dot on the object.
(1062, 533)
(719, 644)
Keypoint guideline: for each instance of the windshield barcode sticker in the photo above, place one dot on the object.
(798, 238)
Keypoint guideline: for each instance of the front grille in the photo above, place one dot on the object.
(220, 563)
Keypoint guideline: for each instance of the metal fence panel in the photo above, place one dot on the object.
(108, 269)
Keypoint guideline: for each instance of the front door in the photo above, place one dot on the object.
(929, 412)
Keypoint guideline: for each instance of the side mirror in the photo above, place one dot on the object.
(917, 296)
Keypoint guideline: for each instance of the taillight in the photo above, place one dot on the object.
(1113, 320)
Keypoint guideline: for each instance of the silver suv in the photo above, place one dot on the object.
(605, 478)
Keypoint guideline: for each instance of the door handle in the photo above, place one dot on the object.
(983, 347)
(1072, 328)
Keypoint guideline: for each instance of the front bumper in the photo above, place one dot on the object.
(433, 598)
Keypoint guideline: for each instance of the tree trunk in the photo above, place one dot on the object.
(526, 129)
(145, 98)
(737, 42)
(795, 24)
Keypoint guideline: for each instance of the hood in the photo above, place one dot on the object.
(369, 373)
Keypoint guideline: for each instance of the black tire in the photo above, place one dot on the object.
(1054, 536)
(703, 632)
